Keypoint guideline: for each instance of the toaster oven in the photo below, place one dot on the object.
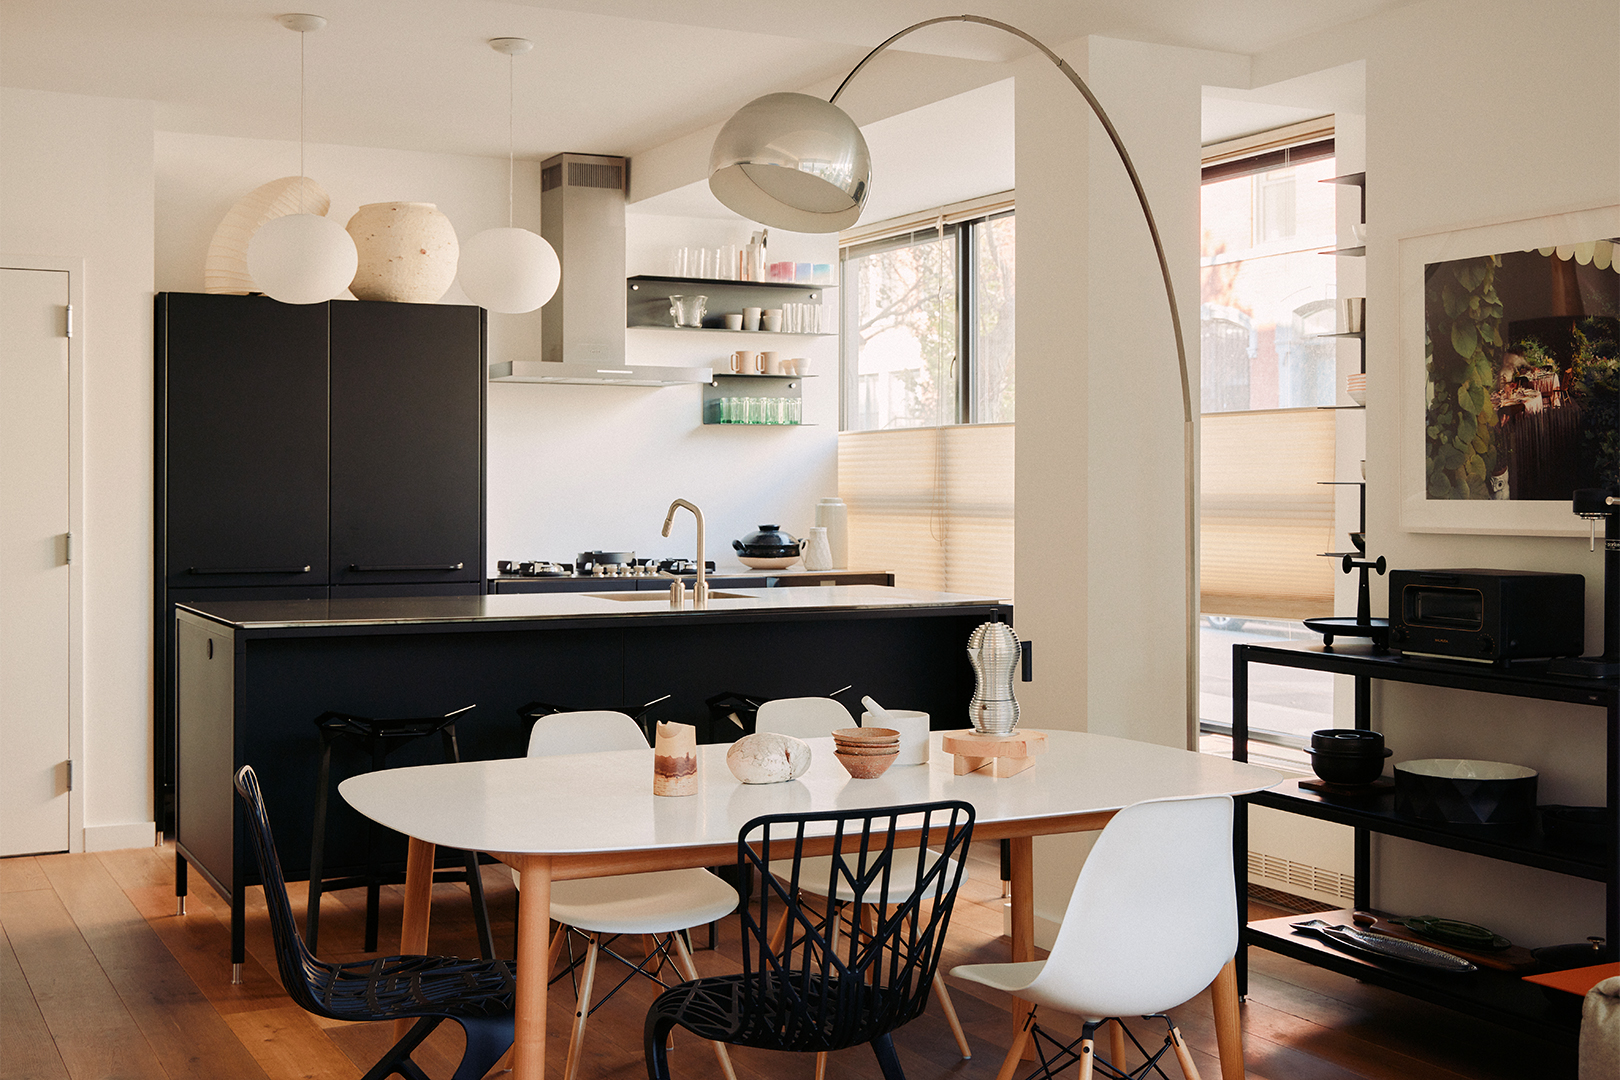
(1487, 615)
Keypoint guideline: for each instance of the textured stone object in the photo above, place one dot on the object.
(408, 252)
(768, 758)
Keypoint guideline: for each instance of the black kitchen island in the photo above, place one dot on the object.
(251, 677)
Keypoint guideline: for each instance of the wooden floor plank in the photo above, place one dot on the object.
(27, 1051)
(21, 874)
(287, 1045)
(181, 1026)
(1303, 1023)
(94, 1032)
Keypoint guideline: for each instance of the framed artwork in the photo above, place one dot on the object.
(1509, 369)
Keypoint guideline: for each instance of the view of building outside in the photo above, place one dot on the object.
(904, 338)
(995, 298)
(901, 317)
(1264, 290)
(1265, 293)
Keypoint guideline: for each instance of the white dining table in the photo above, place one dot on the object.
(591, 815)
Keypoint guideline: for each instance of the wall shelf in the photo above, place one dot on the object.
(647, 300)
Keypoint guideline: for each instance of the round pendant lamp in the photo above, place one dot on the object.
(301, 258)
(509, 270)
(792, 161)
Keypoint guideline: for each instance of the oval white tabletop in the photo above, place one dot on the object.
(600, 803)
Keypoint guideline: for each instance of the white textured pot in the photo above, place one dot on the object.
(407, 250)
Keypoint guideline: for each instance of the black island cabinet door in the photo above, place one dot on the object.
(407, 443)
(243, 385)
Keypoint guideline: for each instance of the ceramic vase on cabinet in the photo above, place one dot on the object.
(408, 252)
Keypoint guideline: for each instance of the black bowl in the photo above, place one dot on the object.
(1348, 769)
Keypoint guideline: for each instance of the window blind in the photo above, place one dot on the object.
(935, 505)
(1265, 515)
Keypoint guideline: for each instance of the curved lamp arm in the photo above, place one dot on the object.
(1119, 147)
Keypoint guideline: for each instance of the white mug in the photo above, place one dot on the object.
(745, 362)
(913, 729)
(771, 321)
(770, 363)
(750, 318)
(734, 322)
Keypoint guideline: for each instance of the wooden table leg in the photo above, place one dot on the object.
(413, 932)
(1228, 1022)
(534, 920)
(1023, 925)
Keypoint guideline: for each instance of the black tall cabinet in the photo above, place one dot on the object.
(307, 451)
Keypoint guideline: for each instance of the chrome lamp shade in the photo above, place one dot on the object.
(794, 162)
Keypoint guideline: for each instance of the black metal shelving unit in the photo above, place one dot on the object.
(1495, 996)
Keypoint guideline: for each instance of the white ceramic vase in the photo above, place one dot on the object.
(817, 556)
(408, 252)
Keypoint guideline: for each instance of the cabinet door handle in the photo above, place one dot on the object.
(357, 568)
(248, 570)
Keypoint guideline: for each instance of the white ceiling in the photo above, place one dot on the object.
(606, 76)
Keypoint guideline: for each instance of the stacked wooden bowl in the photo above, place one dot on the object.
(867, 752)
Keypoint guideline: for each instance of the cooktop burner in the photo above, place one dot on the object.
(684, 566)
(535, 569)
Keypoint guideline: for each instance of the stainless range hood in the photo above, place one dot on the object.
(582, 199)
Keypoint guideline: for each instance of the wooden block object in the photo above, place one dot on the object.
(997, 755)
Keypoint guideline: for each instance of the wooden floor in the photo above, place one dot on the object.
(100, 980)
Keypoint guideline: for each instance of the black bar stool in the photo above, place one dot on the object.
(382, 736)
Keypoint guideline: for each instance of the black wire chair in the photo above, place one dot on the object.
(826, 988)
(477, 994)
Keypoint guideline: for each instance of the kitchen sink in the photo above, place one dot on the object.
(662, 595)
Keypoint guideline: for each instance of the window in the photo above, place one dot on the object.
(925, 454)
(928, 326)
(1267, 442)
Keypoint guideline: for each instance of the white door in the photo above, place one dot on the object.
(34, 597)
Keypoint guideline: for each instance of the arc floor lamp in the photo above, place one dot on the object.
(799, 163)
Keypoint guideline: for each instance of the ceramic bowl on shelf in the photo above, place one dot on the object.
(1355, 385)
(1459, 791)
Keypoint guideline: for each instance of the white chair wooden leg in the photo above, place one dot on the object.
(558, 940)
(1116, 1043)
(821, 1065)
(1088, 1054)
(1183, 1055)
(1015, 1055)
(582, 1011)
(944, 995)
(683, 958)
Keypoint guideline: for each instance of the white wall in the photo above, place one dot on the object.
(1454, 141)
(76, 181)
(1100, 525)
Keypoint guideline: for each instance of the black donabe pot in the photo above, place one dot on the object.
(769, 542)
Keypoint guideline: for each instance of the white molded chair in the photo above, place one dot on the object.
(814, 718)
(660, 904)
(1151, 922)
(803, 717)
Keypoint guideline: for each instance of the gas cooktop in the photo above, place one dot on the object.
(601, 564)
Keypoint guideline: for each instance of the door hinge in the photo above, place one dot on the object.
(70, 774)
(67, 548)
(68, 330)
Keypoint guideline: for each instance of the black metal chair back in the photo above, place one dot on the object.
(477, 994)
(827, 987)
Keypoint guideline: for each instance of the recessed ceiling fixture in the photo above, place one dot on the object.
(301, 258)
(509, 270)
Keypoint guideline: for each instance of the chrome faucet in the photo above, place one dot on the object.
(700, 591)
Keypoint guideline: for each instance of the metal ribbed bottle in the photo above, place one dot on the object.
(993, 649)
